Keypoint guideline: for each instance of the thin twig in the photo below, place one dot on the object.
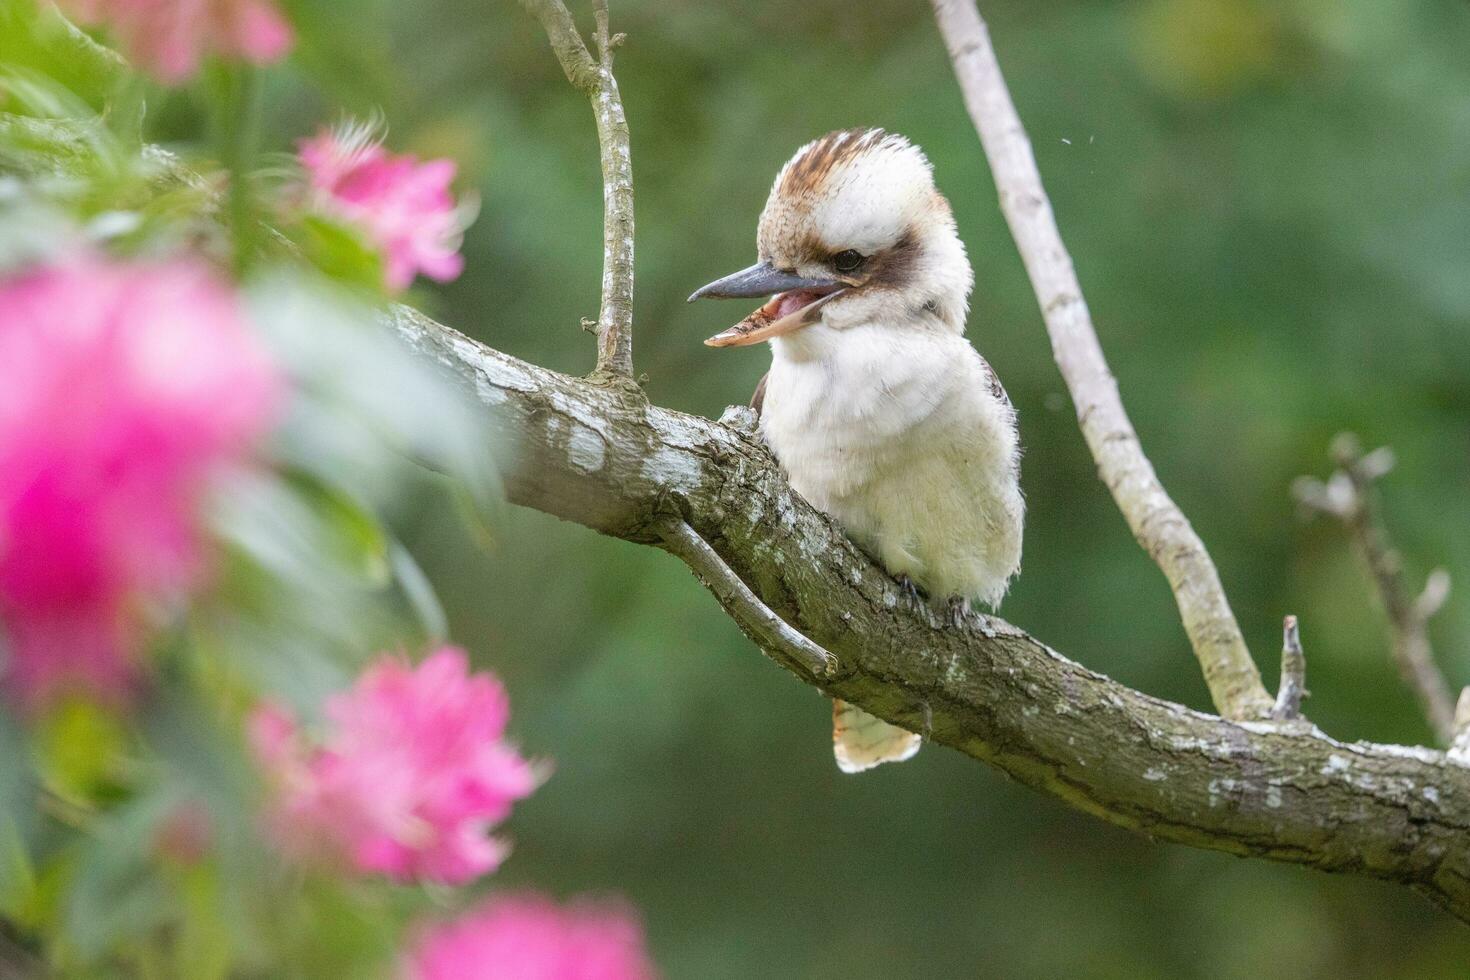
(1158, 524)
(604, 50)
(760, 623)
(594, 78)
(1350, 494)
(571, 50)
(1293, 685)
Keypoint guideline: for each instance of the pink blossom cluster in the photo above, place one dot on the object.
(170, 38)
(528, 937)
(407, 779)
(124, 388)
(404, 207)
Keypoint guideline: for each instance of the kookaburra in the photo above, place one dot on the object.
(881, 413)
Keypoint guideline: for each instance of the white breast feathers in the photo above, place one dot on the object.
(904, 436)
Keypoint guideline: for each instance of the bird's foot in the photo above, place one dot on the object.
(959, 611)
(910, 590)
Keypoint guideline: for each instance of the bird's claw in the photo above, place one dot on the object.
(910, 590)
(959, 611)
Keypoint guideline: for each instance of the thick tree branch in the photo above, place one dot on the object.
(594, 78)
(1158, 524)
(603, 457)
(1350, 495)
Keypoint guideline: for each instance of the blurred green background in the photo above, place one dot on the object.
(1269, 207)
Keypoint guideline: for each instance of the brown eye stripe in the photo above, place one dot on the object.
(892, 266)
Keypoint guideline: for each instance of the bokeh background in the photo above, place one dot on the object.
(1269, 207)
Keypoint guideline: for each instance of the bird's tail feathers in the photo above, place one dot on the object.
(861, 741)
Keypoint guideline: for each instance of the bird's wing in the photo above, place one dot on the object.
(758, 400)
(996, 388)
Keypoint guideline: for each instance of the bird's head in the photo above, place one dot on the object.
(854, 232)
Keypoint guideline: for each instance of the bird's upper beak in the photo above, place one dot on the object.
(758, 280)
(795, 304)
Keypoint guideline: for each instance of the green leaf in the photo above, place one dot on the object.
(77, 747)
(479, 506)
(39, 909)
(419, 592)
(39, 98)
(204, 944)
(336, 930)
(38, 37)
(17, 870)
(350, 532)
(116, 894)
(339, 251)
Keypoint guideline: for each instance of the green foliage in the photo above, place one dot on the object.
(339, 251)
(130, 840)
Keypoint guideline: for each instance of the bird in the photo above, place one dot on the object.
(881, 414)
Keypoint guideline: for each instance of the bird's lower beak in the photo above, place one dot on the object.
(796, 304)
(786, 312)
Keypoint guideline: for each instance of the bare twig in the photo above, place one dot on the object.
(1293, 673)
(1350, 495)
(769, 631)
(571, 50)
(594, 78)
(1158, 524)
(599, 12)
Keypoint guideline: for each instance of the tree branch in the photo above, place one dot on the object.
(1350, 495)
(601, 456)
(594, 78)
(1293, 685)
(755, 618)
(1158, 524)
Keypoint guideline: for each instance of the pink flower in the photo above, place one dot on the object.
(403, 206)
(531, 938)
(169, 38)
(124, 387)
(408, 778)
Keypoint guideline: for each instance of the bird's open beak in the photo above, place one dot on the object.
(795, 304)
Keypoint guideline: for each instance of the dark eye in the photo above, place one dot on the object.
(847, 260)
